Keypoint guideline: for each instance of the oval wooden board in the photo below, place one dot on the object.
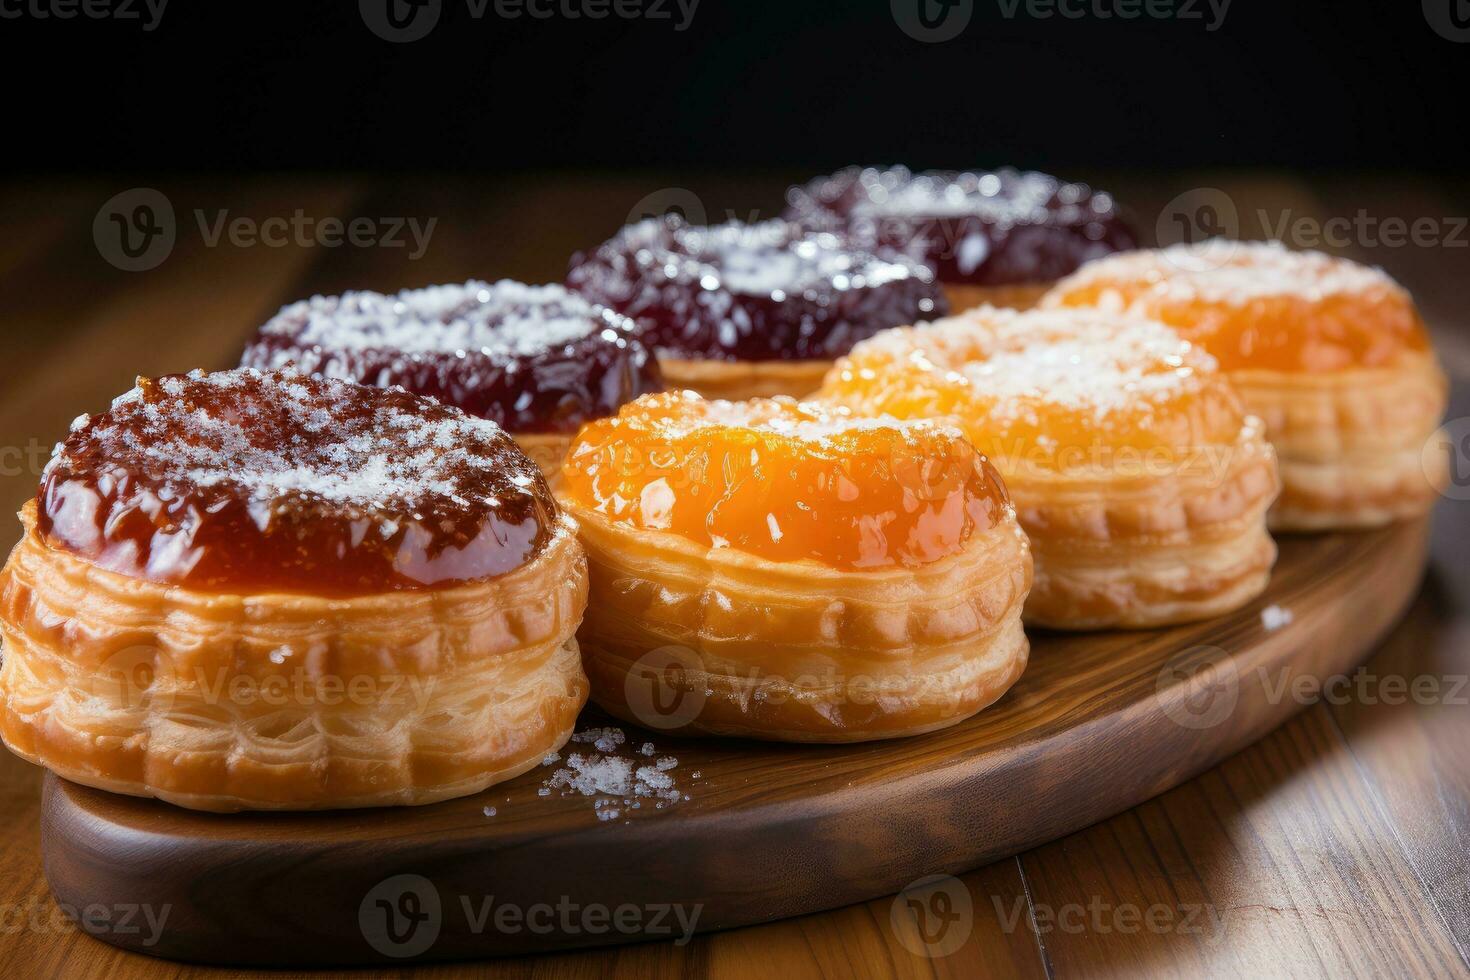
(1099, 723)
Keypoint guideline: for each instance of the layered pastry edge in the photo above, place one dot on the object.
(1132, 544)
(1331, 354)
(131, 686)
(802, 649)
(147, 679)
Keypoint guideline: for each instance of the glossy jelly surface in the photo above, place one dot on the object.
(760, 292)
(787, 481)
(1053, 389)
(535, 359)
(1258, 304)
(243, 481)
(981, 228)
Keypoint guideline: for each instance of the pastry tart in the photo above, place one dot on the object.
(1331, 354)
(1135, 470)
(751, 311)
(793, 573)
(997, 238)
(250, 590)
(537, 360)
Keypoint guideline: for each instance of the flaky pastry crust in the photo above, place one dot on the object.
(1150, 514)
(1135, 552)
(1333, 355)
(682, 637)
(738, 380)
(1350, 442)
(282, 701)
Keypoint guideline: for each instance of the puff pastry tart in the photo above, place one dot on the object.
(537, 360)
(1139, 478)
(1331, 354)
(742, 311)
(998, 238)
(250, 590)
(779, 570)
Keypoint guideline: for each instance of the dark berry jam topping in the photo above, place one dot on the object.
(535, 359)
(243, 481)
(980, 228)
(761, 292)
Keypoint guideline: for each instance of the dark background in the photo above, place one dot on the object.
(752, 84)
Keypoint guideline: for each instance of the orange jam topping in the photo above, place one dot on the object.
(786, 480)
(1257, 304)
(1056, 389)
(243, 481)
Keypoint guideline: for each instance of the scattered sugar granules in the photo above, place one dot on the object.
(602, 739)
(620, 783)
(1274, 617)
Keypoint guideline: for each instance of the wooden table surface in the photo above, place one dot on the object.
(1339, 845)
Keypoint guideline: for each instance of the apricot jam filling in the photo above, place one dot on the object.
(1257, 305)
(1057, 389)
(243, 481)
(786, 480)
(535, 359)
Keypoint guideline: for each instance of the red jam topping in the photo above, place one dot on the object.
(242, 481)
(535, 359)
(762, 292)
(979, 228)
(787, 480)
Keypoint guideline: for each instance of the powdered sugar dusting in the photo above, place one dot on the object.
(286, 436)
(244, 481)
(764, 259)
(1224, 271)
(1082, 360)
(1004, 197)
(812, 423)
(506, 318)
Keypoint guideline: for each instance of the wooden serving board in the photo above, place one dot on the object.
(1099, 723)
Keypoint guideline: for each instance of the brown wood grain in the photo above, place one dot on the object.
(1233, 832)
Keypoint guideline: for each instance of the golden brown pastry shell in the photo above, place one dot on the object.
(1171, 543)
(228, 702)
(798, 651)
(1350, 442)
(737, 380)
